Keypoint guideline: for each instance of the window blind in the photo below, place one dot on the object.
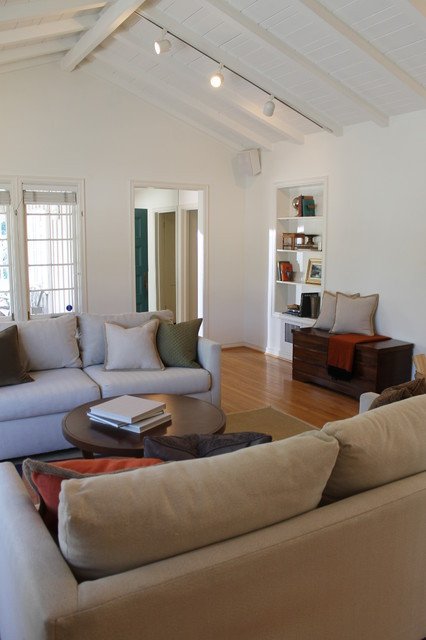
(49, 197)
(4, 196)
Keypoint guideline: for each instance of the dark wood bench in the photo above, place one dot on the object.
(377, 365)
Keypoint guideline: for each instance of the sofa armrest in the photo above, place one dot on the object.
(209, 356)
(365, 400)
(36, 584)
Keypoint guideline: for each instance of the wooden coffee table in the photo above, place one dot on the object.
(189, 415)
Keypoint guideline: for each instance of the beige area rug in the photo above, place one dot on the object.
(268, 420)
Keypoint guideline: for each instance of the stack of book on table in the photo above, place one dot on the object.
(130, 413)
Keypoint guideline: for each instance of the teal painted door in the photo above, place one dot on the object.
(141, 259)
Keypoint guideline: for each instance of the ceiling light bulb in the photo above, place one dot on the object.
(216, 80)
(163, 45)
(269, 107)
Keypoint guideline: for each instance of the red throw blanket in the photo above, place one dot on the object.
(341, 352)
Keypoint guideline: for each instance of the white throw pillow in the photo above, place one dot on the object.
(118, 522)
(50, 343)
(355, 315)
(133, 348)
(91, 328)
(327, 313)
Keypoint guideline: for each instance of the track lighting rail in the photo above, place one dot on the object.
(271, 99)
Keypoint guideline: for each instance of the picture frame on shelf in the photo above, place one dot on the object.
(314, 271)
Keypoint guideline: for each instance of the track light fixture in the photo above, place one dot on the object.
(217, 79)
(163, 45)
(269, 107)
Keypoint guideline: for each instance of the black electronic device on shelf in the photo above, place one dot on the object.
(309, 305)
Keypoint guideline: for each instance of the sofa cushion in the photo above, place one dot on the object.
(12, 370)
(170, 380)
(133, 348)
(196, 445)
(398, 392)
(355, 314)
(50, 343)
(53, 391)
(169, 509)
(377, 447)
(92, 332)
(177, 343)
(46, 478)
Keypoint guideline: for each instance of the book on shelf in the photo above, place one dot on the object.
(127, 409)
(284, 271)
(308, 206)
(135, 427)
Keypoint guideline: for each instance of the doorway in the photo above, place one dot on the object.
(166, 260)
(169, 261)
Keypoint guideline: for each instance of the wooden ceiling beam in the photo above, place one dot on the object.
(45, 30)
(188, 101)
(224, 9)
(99, 69)
(365, 46)
(109, 20)
(26, 64)
(38, 9)
(30, 52)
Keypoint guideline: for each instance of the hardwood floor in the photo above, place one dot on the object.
(251, 380)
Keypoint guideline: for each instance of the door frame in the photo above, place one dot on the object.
(203, 244)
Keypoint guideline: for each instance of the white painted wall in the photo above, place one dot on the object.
(71, 125)
(376, 234)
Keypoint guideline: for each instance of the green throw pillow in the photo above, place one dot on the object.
(11, 368)
(177, 343)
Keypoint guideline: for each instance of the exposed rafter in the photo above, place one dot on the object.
(283, 129)
(99, 69)
(25, 64)
(226, 11)
(13, 37)
(190, 102)
(366, 47)
(37, 9)
(33, 51)
(110, 19)
(234, 63)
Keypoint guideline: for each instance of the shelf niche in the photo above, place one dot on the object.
(288, 221)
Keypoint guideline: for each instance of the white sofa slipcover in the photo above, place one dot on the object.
(354, 569)
(31, 414)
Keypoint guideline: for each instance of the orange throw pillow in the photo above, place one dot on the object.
(46, 478)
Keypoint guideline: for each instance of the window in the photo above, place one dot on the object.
(41, 261)
(5, 267)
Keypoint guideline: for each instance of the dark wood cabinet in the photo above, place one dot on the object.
(377, 365)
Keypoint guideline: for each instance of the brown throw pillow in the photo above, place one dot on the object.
(400, 392)
(11, 368)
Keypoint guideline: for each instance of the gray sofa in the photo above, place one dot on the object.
(65, 357)
(233, 546)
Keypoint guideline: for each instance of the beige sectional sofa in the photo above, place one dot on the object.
(232, 547)
(65, 358)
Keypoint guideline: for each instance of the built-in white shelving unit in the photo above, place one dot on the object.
(307, 257)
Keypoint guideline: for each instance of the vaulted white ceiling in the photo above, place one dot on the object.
(329, 63)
